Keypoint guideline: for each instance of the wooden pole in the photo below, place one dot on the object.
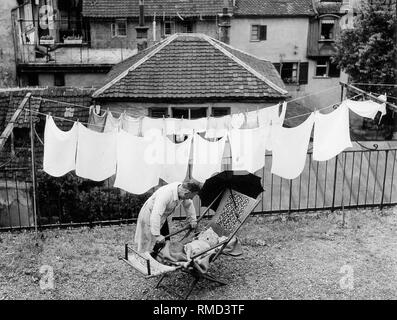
(33, 167)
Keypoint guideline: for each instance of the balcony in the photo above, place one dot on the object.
(73, 55)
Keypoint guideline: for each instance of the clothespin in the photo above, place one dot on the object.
(97, 109)
(257, 115)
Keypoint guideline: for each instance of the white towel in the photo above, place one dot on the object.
(138, 163)
(366, 109)
(59, 149)
(290, 148)
(112, 123)
(175, 160)
(130, 124)
(331, 133)
(248, 148)
(96, 154)
(207, 157)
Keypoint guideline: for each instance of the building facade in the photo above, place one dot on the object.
(7, 52)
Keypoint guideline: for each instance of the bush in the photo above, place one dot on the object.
(73, 199)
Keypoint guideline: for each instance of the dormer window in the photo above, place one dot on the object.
(327, 29)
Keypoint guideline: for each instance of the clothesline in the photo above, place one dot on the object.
(375, 84)
(99, 126)
(124, 112)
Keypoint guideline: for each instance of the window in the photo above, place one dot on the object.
(289, 72)
(119, 28)
(158, 112)
(258, 32)
(187, 27)
(169, 28)
(321, 67)
(220, 112)
(59, 79)
(326, 68)
(33, 79)
(189, 113)
(293, 72)
(327, 29)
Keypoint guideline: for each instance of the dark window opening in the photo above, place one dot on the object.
(334, 70)
(289, 72)
(59, 80)
(158, 112)
(169, 28)
(327, 30)
(220, 112)
(33, 79)
(187, 27)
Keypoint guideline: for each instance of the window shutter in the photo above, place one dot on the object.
(113, 29)
(303, 72)
(262, 32)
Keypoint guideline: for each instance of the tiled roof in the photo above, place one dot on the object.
(130, 8)
(273, 8)
(10, 100)
(193, 66)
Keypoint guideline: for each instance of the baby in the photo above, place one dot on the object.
(204, 241)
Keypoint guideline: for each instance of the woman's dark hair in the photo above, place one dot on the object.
(192, 186)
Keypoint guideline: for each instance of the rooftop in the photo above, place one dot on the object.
(274, 8)
(192, 66)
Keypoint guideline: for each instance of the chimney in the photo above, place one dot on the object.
(141, 29)
(141, 13)
(224, 22)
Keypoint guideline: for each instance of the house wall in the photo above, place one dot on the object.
(101, 37)
(7, 53)
(287, 40)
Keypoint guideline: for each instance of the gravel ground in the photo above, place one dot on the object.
(305, 256)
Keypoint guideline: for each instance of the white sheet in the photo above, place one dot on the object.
(290, 148)
(331, 133)
(207, 157)
(248, 148)
(96, 154)
(59, 148)
(138, 165)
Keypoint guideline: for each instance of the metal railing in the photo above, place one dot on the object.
(353, 179)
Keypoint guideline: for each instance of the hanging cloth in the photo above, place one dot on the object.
(96, 154)
(174, 159)
(331, 133)
(153, 126)
(130, 124)
(138, 165)
(217, 127)
(290, 148)
(59, 149)
(172, 126)
(248, 148)
(207, 157)
(366, 109)
(276, 120)
(112, 123)
(237, 120)
(251, 120)
(96, 122)
(188, 126)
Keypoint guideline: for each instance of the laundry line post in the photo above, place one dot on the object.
(32, 155)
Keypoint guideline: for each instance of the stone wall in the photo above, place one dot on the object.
(7, 54)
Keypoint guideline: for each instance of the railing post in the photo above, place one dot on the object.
(384, 180)
(33, 166)
(335, 177)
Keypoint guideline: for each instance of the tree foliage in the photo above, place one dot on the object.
(368, 52)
